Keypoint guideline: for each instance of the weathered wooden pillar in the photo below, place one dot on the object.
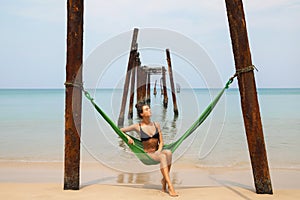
(73, 99)
(143, 86)
(249, 102)
(172, 82)
(131, 61)
(154, 90)
(132, 88)
(165, 92)
(148, 96)
(139, 82)
(161, 86)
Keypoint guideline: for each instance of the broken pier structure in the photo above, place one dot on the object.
(138, 79)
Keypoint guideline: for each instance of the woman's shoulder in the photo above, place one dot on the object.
(157, 124)
(137, 125)
(132, 127)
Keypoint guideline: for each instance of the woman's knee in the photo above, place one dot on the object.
(163, 159)
(168, 153)
(162, 156)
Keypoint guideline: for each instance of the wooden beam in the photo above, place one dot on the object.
(249, 101)
(154, 90)
(132, 87)
(131, 62)
(73, 99)
(148, 96)
(143, 85)
(165, 92)
(172, 82)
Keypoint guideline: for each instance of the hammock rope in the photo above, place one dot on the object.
(137, 146)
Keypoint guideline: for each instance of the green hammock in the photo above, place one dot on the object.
(137, 147)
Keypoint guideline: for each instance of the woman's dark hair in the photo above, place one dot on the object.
(139, 108)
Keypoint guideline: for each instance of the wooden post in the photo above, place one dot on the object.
(148, 96)
(139, 82)
(161, 86)
(249, 102)
(73, 99)
(154, 91)
(172, 82)
(164, 87)
(131, 61)
(132, 88)
(143, 84)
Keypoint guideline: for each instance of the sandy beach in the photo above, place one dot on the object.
(25, 180)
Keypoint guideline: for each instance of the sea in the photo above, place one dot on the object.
(32, 128)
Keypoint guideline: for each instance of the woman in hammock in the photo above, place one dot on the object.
(152, 140)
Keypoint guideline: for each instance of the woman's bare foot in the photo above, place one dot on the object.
(164, 185)
(172, 192)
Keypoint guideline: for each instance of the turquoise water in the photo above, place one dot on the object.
(32, 128)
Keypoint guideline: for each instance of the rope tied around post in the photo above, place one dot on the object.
(80, 86)
(243, 70)
(70, 84)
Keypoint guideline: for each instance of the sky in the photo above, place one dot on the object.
(33, 36)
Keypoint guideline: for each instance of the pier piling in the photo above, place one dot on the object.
(131, 62)
(172, 82)
(164, 84)
(73, 98)
(249, 101)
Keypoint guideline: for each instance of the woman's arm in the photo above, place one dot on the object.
(128, 129)
(161, 141)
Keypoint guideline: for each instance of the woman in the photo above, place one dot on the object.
(152, 140)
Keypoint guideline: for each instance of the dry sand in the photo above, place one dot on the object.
(23, 180)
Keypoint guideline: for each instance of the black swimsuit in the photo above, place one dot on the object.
(145, 136)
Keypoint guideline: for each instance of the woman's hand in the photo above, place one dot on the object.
(158, 151)
(130, 140)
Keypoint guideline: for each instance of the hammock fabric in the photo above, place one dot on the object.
(137, 147)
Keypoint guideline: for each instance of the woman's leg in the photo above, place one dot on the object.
(168, 154)
(164, 168)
